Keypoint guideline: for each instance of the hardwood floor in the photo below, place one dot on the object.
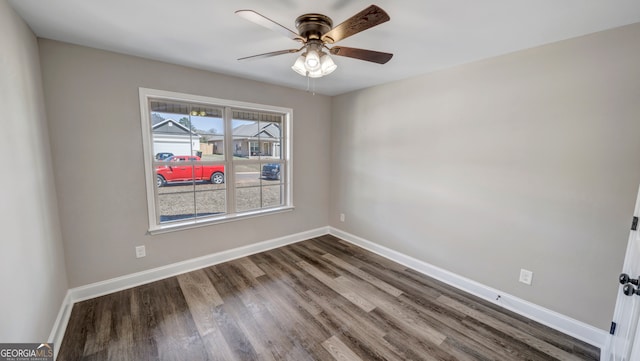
(321, 299)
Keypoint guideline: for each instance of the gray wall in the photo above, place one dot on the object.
(94, 120)
(32, 270)
(528, 160)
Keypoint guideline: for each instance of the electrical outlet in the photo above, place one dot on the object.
(140, 251)
(526, 276)
(341, 217)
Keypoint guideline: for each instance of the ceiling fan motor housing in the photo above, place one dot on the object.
(313, 26)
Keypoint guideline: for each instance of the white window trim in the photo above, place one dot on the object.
(149, 171)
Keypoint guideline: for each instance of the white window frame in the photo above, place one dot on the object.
(147, 142)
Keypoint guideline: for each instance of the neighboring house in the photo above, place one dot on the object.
(249, 140)
(172, 137)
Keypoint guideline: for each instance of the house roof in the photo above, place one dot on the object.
(170, 126)
(264, 131)
(256, 129)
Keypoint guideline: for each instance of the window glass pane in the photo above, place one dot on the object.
(177, 177)
(210, 190)
(247, 175)
(211, 202)
(186, 129)
(208, 126)
(213, 174)
(174, 184)
(256, 134)
(245, 140)
(175, 203)
(272, 196)
(270, 140)
(248, 198)
(169, 128)
(176, 169)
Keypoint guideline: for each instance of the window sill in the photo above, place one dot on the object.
(179, 226)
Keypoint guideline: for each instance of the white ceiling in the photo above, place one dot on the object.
(424, 35)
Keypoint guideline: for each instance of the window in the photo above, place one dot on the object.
(210, 160)
(254, 148)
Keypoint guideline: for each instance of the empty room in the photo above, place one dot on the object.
(338, 180)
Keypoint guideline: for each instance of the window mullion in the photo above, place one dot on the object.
(193, 182)
(229, 172)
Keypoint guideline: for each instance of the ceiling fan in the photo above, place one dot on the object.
(316, 32)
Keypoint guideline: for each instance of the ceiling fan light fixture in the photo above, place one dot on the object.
(315, 73)
(299, 67)
(327, 66)
(323, 66)
(312, 60)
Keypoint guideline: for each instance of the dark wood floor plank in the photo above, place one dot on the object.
(460, 336)
(364, 275)
(75, 337)
(322, 299)
(522, 336)
(503, 343)
(537, 330)
(339, 350)
(231, 317)
(251, 344)
(344, 291)
(199, 287)
(429, 308)
(353, 328)
(143, 324)
(176, 336)
(298, 323)
(251, 267)
(407, 318)
(418, 348)
(355, 255)
(547, 335)
(281, 328)
(121, 345)
(203, 298)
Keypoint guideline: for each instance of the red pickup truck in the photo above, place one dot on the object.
(180, 168)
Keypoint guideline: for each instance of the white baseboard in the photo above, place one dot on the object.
(97, 289)
(562, 323)
(60, 326)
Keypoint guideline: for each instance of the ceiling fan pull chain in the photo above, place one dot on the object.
(311, 85)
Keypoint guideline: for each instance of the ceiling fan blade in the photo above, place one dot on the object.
(268, 55)
(362, 54)
(269, 24)
(361, 21)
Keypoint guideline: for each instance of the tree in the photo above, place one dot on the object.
(156, 118)
(187, 123)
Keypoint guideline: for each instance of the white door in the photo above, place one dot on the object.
(624, 344)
